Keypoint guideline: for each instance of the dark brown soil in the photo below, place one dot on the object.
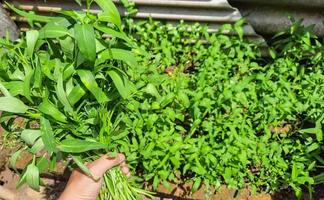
(4, 152)
(224, 193)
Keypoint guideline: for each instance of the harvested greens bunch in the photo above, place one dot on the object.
(64, 79)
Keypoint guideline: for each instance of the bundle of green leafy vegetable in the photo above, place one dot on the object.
(64, 78)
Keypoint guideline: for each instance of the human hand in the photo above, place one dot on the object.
(82, 187)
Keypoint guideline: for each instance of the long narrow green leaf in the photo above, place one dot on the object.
(22, 179)
(85, 37)
(80, 164)
(60, 21)
(12, 104)
(13, 159)
(61, 94)
(37, 147)
(5, 43)
(53, 31)
(30, 136)
(4, 90)
(120, 81)
(68, 72)
(32, 176)
(110, 12)
(112, 32)
(76, 94)
(79, 146)
(117, 54)
(317, 131)
(31, 39)
(319, 178)
(67, 45)
(90, 83)
(26, 88)
(37, 76)
(48, 108)
(42, 163)
(31, 16)
(47, 135)
(15, 87)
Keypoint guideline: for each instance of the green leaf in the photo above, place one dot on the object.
(117, 54)
(13, 159)
(196, 185)
(294, 172)
(112, 32)
(79, 146)
(60, 21)
(31, 16)
(48, 108)
(4, 90)
(47, 135)
(156, 182)
(238, 27)
(67, 45)
(32, 176)
(22, 179)
(317, 131)
(12, 104)
(53, 31)
(85, 38)
(110, 12)
(29, 136)
(37, 147)
(272, 53)
(26, 86)
(15, 87)
(121, 83)
(298, 191)
(319, 178)
(68, 72)
(42, 164)
(53, 164)
(167, 185)
(78, 2)
(61, 94)
(76, 94)
(80, 164)
(184, 100)
(90, 83)
(151, 89)
(31, 39)
(37, 77)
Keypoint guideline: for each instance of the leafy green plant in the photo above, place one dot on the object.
(59, 79)
(209, 109)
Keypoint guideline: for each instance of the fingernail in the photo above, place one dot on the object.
(121, 157)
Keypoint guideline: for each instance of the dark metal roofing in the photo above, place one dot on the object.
(266, 16)
(212, 12)
(271, 16)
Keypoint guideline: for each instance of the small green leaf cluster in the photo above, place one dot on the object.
(210, 109)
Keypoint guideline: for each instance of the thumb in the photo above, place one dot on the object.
(99, 167)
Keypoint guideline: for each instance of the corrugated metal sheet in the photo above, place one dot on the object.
(212, 12)
(266, 16)
(270, 16)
